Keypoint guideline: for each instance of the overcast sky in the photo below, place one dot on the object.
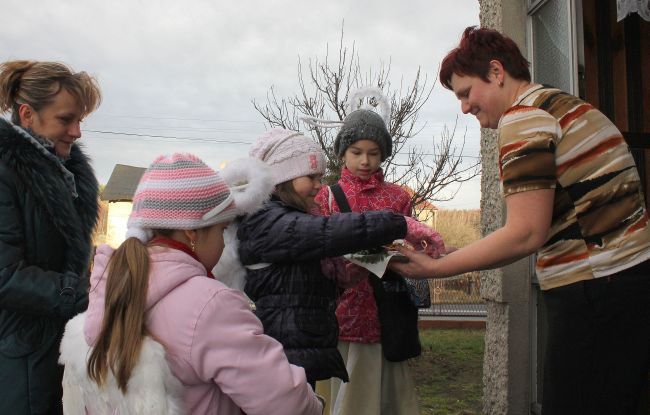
(182, 74)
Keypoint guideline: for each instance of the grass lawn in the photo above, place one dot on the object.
(448, 374)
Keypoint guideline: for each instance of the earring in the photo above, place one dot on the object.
(501, 84)
(193, 245)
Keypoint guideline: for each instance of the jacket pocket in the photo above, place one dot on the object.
(313, 322)
(31, 335)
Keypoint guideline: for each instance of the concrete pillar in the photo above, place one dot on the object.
(507, 360)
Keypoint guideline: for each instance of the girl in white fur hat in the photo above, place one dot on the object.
(282, 246)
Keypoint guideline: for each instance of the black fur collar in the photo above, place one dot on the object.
(42, 177)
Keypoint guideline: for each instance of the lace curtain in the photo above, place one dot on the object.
(625, 7)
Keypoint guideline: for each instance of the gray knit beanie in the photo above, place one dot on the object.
(363, 124)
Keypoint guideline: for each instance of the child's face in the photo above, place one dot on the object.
(209, 244)
(307, 187)
(362, 158)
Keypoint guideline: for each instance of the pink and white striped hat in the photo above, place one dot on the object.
(179, 192)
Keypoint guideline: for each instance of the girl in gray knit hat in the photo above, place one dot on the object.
(374, 348)
(364, 125)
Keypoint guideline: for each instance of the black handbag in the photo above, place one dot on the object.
(420, 292)
(398, 315)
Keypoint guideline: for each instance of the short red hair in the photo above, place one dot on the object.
(479, 46)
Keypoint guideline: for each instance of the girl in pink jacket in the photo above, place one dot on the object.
(161, 335)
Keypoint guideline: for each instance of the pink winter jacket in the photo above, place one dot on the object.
(356, 308)
(215, 345)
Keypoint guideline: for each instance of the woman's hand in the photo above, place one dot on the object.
(69, 283)
(419, 265)
(526, 229)
(450, 249)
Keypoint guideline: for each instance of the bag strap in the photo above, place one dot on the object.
(339, 196)
(344, 206)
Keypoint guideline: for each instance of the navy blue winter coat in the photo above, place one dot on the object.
(45, 249)
(293, 299)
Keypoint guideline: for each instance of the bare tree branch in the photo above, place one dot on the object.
(432, 174)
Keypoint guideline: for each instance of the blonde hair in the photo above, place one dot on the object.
(123, 327)
(37, 83)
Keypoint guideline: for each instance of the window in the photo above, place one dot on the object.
(553, 43)
(552, 51)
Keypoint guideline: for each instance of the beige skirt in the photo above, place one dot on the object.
(376, 387)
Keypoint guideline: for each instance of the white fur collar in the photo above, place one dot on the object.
(229, 269)
(152, 389)
(252, 185)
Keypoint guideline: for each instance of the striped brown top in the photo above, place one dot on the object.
(552, 140)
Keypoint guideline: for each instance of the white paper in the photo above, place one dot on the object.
(375, 262)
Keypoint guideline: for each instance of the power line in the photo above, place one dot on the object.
(211, 140)
(220, 130)
(426, 124)
(161, 117)
(421, 135)
(182, 118)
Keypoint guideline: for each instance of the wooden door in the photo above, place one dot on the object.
(615, 76)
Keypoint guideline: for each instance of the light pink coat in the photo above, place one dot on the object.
(215, 345)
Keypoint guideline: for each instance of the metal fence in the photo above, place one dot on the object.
(458, 296)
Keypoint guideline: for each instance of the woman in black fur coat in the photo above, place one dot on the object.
(48, 210)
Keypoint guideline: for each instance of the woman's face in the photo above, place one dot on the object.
(362, 158)
(479, 98)
(209, 244)
(307, 187)
(59, 121)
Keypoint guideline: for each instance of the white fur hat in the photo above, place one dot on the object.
(250, 183)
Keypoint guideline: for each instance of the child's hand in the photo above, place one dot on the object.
(345, 273)
(424, 238)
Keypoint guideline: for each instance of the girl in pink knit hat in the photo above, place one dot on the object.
(161, 335)
(283, 244)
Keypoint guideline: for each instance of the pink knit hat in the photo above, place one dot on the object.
(289, 154)
(179, 192)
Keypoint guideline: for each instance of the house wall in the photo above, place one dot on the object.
(507, 360)
(427, 216)
(99, 235)
(118, 215)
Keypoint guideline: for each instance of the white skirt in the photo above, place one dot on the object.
(376, 386)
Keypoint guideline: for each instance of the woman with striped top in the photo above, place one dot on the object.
(573, 197)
